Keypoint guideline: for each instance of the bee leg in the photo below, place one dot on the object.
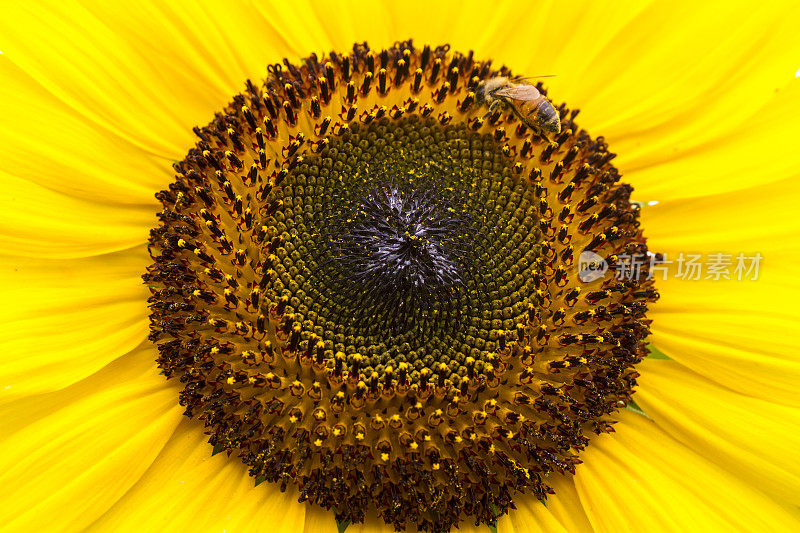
(539, 133)
(493, 107)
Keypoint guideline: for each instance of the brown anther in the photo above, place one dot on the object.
(437, 64)
(291, 94)
(294, 339)
(382, 81)
(291, 117)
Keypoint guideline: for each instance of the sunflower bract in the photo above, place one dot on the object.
(370, 288)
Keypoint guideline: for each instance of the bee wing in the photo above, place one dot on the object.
(518, 92)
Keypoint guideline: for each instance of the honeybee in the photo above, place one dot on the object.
(530, 106)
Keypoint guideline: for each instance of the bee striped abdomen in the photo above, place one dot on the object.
(540, 113)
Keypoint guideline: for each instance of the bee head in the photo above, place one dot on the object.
(480, 93)
(484, 94)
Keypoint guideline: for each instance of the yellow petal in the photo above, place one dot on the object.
(63, 320)
(504, 525)
(641, 479)
(563, 511)
(302, 27)
(688, 95)
(186, 489)
(566, 506)
(532, 516)
(146, 72)
(99, 99)
(736, 154)
(68, 456)
(738, 333)
(754, 439)
(64, 46)
(318, 519)
(47, 142)
(42, 223)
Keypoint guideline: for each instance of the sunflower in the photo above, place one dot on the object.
(483, 381)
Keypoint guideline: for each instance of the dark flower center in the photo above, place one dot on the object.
(401, 241)
(368, 283)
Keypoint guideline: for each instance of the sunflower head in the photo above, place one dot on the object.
(367, 278)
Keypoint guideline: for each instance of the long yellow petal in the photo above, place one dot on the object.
(703, 87)
(304, 26)
(47, 142)
(144, 72)
(738, 153)
(751, 438)
(318, 519)
(738, 333)
(641, 479)
(566, 506)
(187, 489)
(563, 511)
(68, 456)
(63, 320)
(531, 516)
(41, 223)
(98, 99)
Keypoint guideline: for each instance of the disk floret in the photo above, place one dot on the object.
(370, 288)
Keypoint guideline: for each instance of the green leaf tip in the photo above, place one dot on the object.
(493, 526)
(633, 406)
(655, 353)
